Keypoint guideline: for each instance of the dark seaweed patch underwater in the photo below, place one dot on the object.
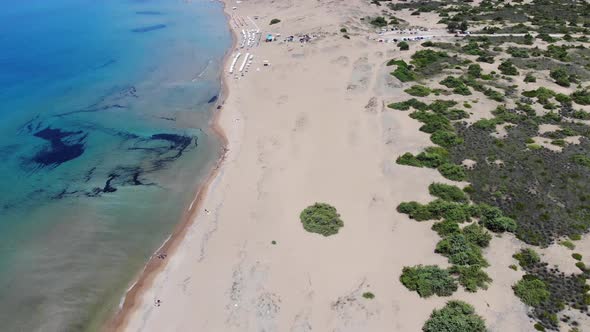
(99, 148)
(63, 146)
(149, 28)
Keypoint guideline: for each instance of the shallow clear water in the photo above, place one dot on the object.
(104, 113)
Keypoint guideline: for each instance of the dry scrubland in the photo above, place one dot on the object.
(457, 168)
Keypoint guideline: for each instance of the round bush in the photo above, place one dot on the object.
(321, 218)
(455, 316)
(531, 291)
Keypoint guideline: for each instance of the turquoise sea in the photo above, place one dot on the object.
(104, 114)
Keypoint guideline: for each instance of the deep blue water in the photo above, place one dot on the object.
(104, 114)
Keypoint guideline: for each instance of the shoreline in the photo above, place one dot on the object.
(291, 125)
(144, 280)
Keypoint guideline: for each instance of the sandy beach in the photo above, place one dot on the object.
(312, 126)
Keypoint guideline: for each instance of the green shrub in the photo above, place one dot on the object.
(557, 52)
(527, 258)
(581, 266)
(581, 159)
(274, 21)
(368, 295)
(513, 267)
(518, 52)
(462, 90)
(460, 251)
(451, 211)
(321, 218)
(452, 171)
(455, 316)
(546, 38)
(343, 30)
(471, 277)
(579, 114)
(403, 72)
(502, 224)
(531, 291)
(433, 156)
(405, 105)
(428, 280)
(446, 227)
(485, 58)
(559, 142)
(451, 82)
(493, 219)
(474, 70)
(563, 99)
(529, 78)
(417, 211)
(542, 94)
(457, 85)
(493, 94)
(445, 138)
(423, 58)
(441, 106)
(560, 76)
(447, 192)
(478, 235)
(408, 207)
(409, 160)
(539, 327)
(457, 212)
(396, 62)
(577, 256)
(418, 91)
(432, 121)
(568, 244)
(486, 124)
(403, 46)
(507, 68)
(581, 97)
(379, 21)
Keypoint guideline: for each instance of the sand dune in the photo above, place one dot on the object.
(313, 126)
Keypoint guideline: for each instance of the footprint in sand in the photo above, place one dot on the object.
(282, 99)
(353, 311)
(341, 60)
(301, 122)
(372, 105)
(361, 74)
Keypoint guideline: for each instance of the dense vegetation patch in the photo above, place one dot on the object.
(461, 246)
(321, 218)
(428, 280)
(418, 91)
(447, 192)
(455, 316)
(403, 71)
(531, 290)
(516, 184)
(549, 291)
